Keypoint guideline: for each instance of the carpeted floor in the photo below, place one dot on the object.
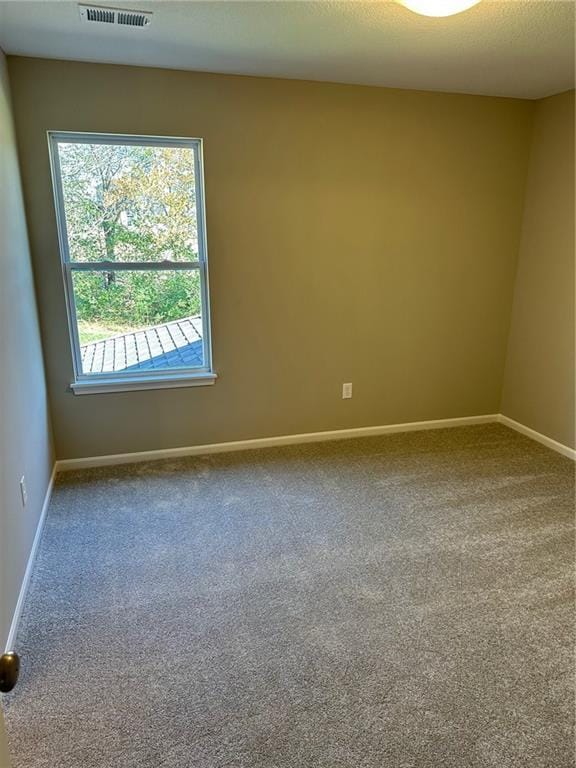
(394, 602)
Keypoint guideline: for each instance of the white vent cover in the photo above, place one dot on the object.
(101, 14)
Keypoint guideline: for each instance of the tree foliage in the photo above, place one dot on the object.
(131, 204)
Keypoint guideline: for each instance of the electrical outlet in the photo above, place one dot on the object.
(346, 391)
(23, 491)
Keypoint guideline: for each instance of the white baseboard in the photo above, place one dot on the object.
(269, 442)
(538, 436)
(30, 565)
(62, 465)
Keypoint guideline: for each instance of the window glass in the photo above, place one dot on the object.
(130, 219)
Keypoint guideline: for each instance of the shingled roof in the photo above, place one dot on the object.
(171, 345)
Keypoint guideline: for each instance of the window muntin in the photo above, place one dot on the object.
(131, 226)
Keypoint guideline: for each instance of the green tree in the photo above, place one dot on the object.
(134, 204)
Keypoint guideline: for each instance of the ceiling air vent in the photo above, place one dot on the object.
(133, 18)
(118, 16)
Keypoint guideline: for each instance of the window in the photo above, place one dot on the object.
(130, 212)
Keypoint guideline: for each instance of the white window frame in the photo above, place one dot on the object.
(117, 382)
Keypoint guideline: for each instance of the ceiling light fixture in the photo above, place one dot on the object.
(438, 7)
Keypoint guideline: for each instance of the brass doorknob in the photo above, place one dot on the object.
(9, 671)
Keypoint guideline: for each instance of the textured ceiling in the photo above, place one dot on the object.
(522, 48)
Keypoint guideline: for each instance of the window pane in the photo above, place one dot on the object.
(129, 203)
(132, 322)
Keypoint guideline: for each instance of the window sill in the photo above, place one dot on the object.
(103, 386)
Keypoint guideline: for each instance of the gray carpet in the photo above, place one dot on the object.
(400, 602)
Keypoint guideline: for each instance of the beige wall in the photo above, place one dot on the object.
(4, 756)
(354, 234)
(539, 381)
(25, 447)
